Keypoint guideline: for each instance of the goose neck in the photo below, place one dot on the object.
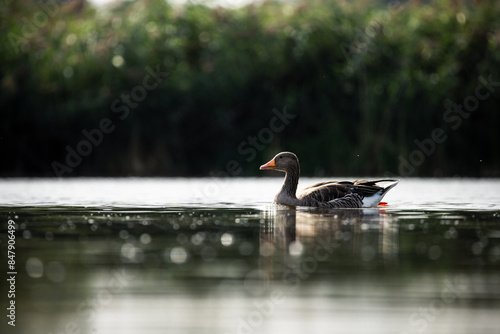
(290, 183)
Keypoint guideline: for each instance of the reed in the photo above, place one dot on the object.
(367, 81)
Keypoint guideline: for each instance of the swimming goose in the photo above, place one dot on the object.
(329, 194)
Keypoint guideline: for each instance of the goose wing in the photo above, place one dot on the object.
(326, 191)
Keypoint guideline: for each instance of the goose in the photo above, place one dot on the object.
(328, 194)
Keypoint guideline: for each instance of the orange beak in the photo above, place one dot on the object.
(270, 165)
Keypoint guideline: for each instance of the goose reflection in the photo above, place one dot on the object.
(302, 243)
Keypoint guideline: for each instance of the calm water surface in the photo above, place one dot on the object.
(216, 256)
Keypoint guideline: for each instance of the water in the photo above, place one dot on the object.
(215, 256)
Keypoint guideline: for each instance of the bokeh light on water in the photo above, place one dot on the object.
(240, 266)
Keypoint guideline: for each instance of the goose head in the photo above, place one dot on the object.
(284, 162)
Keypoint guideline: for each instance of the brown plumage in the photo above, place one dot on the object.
(329, 194)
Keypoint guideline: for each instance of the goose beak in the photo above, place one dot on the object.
(270, 165)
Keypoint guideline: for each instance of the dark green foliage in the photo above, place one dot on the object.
(366, 80)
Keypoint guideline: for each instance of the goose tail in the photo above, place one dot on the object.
(372, 200)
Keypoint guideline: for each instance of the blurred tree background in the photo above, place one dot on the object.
(85, 90)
